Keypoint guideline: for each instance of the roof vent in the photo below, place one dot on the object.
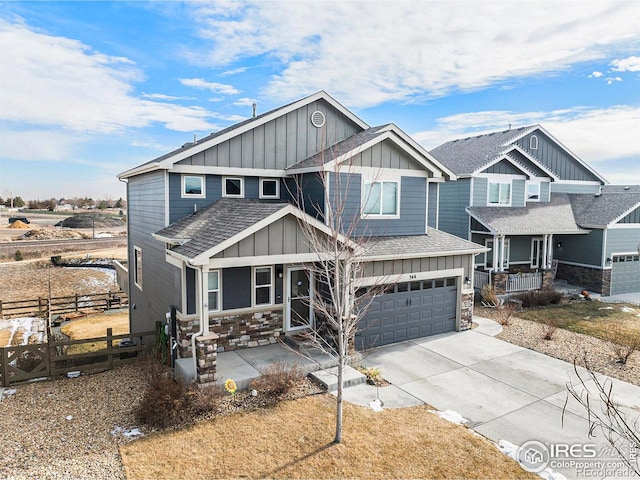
(317, 119)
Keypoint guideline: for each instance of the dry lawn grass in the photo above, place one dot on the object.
(95, 326)
(294, 440)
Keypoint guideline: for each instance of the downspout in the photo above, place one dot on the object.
(204, 318)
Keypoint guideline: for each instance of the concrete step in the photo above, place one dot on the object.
(328, 377)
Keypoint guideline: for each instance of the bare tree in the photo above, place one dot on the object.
(338, 303)
(604, 414)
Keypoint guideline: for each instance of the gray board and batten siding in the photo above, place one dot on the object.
(505, 168)
(432, 204)
(146, 214)
(632, 217)
(383, 268)
(384, 154)
(347, 188)
(555, 158)
(279, 143)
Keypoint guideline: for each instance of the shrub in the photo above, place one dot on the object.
(504, 313)
(167, 403)
(373, 374)
(18, 256)
(489, 296)
(549, 328)
(278, 379)
(622, 342)
(540, 298)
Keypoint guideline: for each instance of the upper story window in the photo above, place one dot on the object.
(533, 192)
(533, 142)
(269, 188)
(213, 290)
(233, 187)
(263, 286)
(137, 267)
(193, 186)
(499, 193)
(381, 198)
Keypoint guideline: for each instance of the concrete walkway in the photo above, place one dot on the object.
(506, 392)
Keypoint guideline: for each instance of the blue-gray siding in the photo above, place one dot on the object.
(432, 204)
(555, 158)
(347, 188)
(557, 187)
(236, 288)
(622, 240)
(545, 192)
(454, 198)
(160, 280)
(311, 186)
(416, 265)
(280, 143)
(517, 193)
(582, 249)
(633, 217)
(480, 192)
(504, 167)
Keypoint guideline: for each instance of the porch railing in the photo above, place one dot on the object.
(480, 279)
(518, 282)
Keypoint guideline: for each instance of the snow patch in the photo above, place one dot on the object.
(376, 405)
(627, 310)
(605, 308)
(129, 434)
(29, 326)
(69, 417)
(450, 416)
(7, 392)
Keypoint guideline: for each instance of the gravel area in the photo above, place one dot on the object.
(63, 429)
(569, 346)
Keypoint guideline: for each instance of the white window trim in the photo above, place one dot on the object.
(224, 187)
(219, 290)
(273, 197)
(526, 191)
(499, 182)
(533, 142)
(184, 194)
(383, 179)
(137, 279)
(271, 285)
(507, 251)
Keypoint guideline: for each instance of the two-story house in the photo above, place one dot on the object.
(531, 201)
(215, 230)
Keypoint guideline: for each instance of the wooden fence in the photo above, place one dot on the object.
(39, 307)
(519, 282)
(26, 362)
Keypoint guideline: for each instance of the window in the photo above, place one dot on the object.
(380, 198)
(262, 284)
(269, 188)
(499, 193)
(213, 290)
(193, 186)
(533, 142)
(233, 187)
(533, 192)
(137, 267)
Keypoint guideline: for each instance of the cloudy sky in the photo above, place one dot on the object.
(90, 89)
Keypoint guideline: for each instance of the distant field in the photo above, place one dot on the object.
(95, 326)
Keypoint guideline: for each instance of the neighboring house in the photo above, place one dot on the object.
(214, 231)
(531, 201)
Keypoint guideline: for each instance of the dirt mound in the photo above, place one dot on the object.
(89, 220)
(18, 224)
(51, 234)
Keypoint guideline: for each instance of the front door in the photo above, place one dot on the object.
(299, 295)
(536, 252)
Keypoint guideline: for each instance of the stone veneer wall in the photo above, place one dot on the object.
(243, 330)
(466, 311)
(592, 279)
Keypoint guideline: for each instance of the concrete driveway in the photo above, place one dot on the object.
(506, 392)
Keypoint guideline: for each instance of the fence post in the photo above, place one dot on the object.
(109, 347)
(4, 363)
(40, 307)
(76, 299)
(0, 308)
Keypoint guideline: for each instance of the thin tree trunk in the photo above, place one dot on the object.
(338, 438)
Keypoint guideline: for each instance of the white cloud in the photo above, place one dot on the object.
(233, 71)
(629, 64)
(202, 84)
(594, 134)
(610, 80)
(57, 81)
(596, 75)
(38, 144)
(400, 50)
(245, 102)
(162, 96)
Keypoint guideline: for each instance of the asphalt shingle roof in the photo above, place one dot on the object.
(466, 155)
(218, 222)
(434, 242)
(348, 144)
(601, 210)
(553, 217)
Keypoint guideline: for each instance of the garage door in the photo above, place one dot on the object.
(410, 310)
(625, 274)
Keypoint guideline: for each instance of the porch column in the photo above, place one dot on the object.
(204, 317)
(550, 251)
(545, 241)
(502, 253)
(494, 252)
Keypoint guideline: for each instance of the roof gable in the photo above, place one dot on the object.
(283, 114)
(606, 209)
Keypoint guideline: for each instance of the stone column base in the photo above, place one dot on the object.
(207, 354)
